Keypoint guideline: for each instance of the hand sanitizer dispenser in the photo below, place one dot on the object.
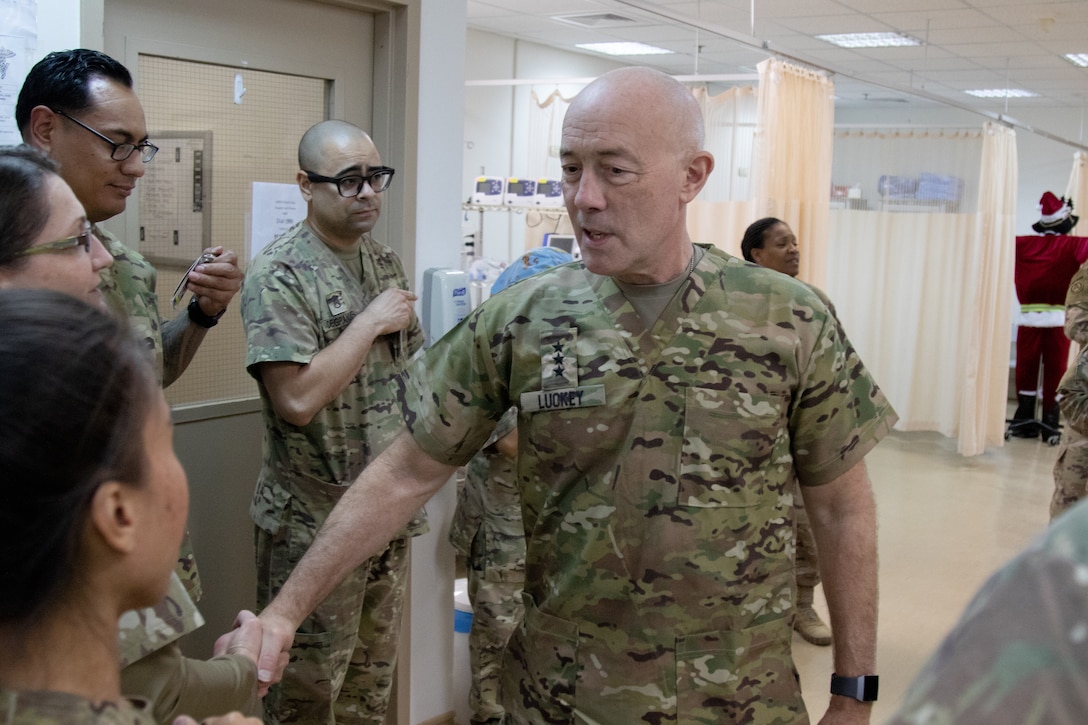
(445, 301)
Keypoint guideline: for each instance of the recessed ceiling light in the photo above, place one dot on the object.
(1080, 59)
(624, 48)
(870, 40)
(1001, 93)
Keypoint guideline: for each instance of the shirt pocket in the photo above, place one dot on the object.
(729, 438)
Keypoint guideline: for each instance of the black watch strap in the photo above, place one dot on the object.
(197, 316)
(862, 688)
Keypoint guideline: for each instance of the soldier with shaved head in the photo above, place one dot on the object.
(670, 400)
(329, 325)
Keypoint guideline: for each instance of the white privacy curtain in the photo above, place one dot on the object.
(921, 281)
(724, 208)
(545, 133)
(1077, 190)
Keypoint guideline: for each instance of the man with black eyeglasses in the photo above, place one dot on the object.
(330, 326)
(79, 107)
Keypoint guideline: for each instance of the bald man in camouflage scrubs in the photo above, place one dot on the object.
(669, 397)
(329, 325)
(1071, 468)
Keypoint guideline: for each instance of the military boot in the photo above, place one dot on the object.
(807, 621)
(1023, 424)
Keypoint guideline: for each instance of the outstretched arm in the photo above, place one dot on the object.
(384, 497)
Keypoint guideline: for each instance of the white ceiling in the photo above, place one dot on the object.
(969, 44)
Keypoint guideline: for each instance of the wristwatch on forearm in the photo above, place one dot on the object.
(197, 316)
(862, 688)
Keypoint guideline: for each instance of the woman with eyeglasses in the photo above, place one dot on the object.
(95, 503)
(45, 238)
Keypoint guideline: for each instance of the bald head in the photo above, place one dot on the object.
(632, 158)
(314, 147)
(337, 163)
(650, 95)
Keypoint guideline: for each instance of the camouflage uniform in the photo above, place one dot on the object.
(142, 631)
(297, 297)
(128, 287)
(62, 708)
(1017, 655)
(656, 469)
(1076, 307)
(1071, 468)
(488, 532)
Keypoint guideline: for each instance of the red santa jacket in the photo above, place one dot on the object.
(1044, 265)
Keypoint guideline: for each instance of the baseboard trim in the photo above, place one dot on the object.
(444, 719)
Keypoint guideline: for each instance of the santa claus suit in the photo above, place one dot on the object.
(1045, 264)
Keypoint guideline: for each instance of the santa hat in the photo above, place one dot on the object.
(1057, 215)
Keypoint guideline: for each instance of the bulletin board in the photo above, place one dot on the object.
(175, 198)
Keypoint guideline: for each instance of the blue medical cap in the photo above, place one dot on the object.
(528, 264)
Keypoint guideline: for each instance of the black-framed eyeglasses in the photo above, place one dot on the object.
(83, 239)
(121, 151)
(352, 184)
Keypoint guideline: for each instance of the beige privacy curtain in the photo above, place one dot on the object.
(793, 157)
(724, 208)
(986, 369)
(922, 283)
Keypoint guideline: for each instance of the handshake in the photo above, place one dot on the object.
(266, 644)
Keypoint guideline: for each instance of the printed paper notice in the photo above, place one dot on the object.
(276, 208)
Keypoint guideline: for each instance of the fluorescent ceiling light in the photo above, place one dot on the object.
(624, 48)
(1080, 59)
(1001, 93)
(870, 40)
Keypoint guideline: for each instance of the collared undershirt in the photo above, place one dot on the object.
(650, 300)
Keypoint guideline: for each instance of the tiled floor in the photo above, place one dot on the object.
(946, 523)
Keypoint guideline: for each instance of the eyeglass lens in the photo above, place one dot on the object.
(351, 185)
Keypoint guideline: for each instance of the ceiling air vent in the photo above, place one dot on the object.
(596, 20)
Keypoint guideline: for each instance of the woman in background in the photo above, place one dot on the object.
(95, 503)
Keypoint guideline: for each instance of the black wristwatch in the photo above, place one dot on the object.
(862, 688)
(197, 316)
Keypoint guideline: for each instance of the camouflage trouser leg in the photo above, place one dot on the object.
(1070, 472)
(364, 696)
(806, 566)
(496, 611)
(343, 657)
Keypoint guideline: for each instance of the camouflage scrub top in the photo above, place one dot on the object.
(1017, 654)
(1076, 307)
(296, 299)
(62, 708)
(656, 469)
(488, 506)
(128, 287)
